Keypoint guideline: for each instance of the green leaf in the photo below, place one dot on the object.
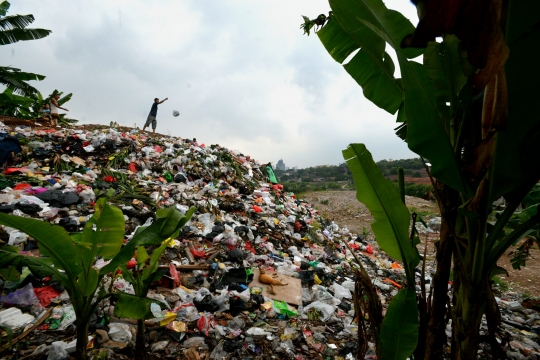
(53, 241)
(426, 133)
(104, 231)
(133, 307)
(150, 235)
(371, 67)
(391, 216)
(15, 35)
(443, 64)
(533, 197)
(517, 164)
(88, 284)
(142, 255)
(399, 330)
(4, 6)
(15, 21)
(152, 267)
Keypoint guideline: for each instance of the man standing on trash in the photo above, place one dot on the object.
(153, 113)
(54, 110)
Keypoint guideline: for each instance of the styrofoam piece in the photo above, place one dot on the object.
(18, 321)
(9, 313)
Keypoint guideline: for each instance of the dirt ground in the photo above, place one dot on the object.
(343, 208)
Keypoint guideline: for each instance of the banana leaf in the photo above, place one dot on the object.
(391, 216)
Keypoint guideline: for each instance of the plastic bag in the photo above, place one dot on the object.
(340, 292)
(326, 309)
(218, 353)
(119, 332)
(68, 318)
(24, 296)
(17, 237)
(57, 351)
(195, 341)
(188, 314)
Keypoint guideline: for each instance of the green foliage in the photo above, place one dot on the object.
(18, 92)
(325, 201)
(69, 258)
(502, 285)
(473, 125)
(399, 331)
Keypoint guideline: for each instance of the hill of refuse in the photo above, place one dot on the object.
(242, 224)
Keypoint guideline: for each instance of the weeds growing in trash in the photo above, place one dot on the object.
(70, 258)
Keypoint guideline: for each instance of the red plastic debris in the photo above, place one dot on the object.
(131, 264)
(174, 275)
(109, 178)
(250, 247)
(257, 208)
(297, 226)
(46, 294)
(198, 253)
(22, 186)
(369, 249)
(132, 167)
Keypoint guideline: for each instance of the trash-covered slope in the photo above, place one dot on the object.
(209, 304)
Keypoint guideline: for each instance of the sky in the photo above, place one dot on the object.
(240, 72)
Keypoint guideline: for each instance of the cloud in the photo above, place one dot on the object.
(240, 73)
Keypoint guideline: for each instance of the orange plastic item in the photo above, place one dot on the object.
(389, 281)
(22, 186)
(395, 265)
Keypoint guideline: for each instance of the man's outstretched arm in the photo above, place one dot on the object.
(162, 101)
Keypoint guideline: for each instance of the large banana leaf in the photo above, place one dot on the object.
(133, 307)
(391, 216)
(399, 330)
(443, 64)
(426, 134)
(53, 241)
(517, 164)
(14, 35)
(149, 235)
(371, 67)
(104, 231)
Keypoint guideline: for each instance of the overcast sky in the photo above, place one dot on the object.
(240, 73)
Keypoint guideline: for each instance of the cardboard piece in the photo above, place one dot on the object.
(291, 293)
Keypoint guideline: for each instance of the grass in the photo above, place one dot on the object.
(325, 202)
(420, 213)
(501, 284)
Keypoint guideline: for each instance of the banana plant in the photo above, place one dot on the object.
(70, 258)
(398, 333)
(143, 275)
(468, 107)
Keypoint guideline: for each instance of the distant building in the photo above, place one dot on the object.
(280, 165)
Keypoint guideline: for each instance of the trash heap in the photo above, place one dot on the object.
(210, 303)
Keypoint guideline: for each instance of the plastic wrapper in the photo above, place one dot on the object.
(24, 296)
(198, 342)
(120, 332)
(57, 351)
(325, 309)
(341, 292)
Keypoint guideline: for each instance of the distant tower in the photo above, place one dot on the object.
(280, 165)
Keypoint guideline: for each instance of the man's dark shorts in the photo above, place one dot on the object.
(151, 120)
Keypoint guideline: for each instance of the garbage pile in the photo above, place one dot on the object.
(255, 274)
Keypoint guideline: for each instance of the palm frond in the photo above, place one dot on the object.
(14, 35)
(15, 80)
(16, 21)
(4, 6)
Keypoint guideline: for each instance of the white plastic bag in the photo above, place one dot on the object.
(340, 292)
(119, 332)
(57, 351)
(325, 309)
